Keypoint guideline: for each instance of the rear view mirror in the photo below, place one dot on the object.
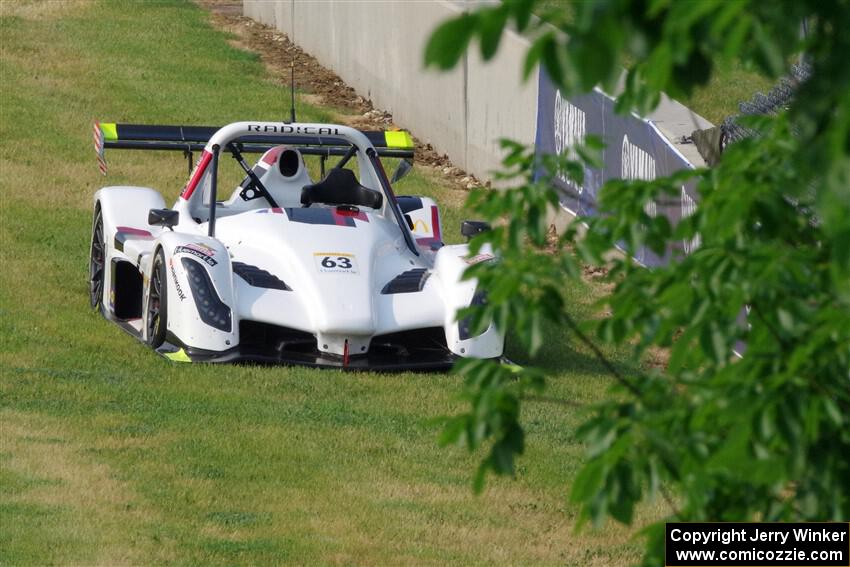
(403, 168)
(163, 217)
(470, 228)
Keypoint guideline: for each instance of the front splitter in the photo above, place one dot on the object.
(425, 360)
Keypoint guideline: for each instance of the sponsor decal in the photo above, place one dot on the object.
(201, 247)
(435, 241)
(198, 250)
(635, 163)
(570, 127)
(335, 262)
(421, 227)
(689, 207)
(290, 129)
(477, 259)
(180, 293)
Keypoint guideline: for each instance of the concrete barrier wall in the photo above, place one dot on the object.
(377, 47)
(500, 105)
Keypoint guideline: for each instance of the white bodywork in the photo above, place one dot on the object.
(336, 268)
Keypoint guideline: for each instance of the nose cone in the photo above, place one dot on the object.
(335, 262)
(342, 286)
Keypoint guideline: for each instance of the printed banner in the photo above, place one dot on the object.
(634, 149)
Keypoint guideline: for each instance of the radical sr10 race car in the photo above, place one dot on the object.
(335, 272)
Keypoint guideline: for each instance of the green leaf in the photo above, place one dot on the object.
(833, 411)
(623, 486)
(490, 26)
(449, 41)
(452, 433)
(761, 436)
(588, 482)
(503, 459)
(521, 10)
(480, 478)
(551, 60)
(786, 320)
(713, 343)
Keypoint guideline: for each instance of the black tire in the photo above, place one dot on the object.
(157, 316)
(97, 261)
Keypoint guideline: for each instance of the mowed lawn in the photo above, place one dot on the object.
(112, 455)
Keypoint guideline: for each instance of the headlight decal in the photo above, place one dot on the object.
(464, 326)
(213, 311)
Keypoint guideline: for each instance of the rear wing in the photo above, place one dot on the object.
(188, 139)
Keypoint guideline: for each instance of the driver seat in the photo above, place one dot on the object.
(340, 187)
(281, 170)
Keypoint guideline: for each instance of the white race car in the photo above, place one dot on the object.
(335, 273)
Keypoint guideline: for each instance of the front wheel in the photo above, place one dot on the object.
(157, 316)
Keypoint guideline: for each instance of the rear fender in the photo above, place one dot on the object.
(127, 206)
(185, 299)
(449, 265)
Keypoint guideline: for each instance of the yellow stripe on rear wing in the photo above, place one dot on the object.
(110, 131)
(398, 139)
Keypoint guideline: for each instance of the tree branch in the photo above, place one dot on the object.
(609, 366)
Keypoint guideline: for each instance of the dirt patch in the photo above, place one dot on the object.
(320, 86)
(657, 358)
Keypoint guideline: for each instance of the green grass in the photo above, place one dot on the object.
(730, 84)
(112, 455)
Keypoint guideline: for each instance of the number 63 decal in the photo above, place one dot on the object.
(339, 262)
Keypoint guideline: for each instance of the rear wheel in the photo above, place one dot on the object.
(157, 317)
(97, 259)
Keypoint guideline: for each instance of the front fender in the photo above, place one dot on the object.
(449, 265)
(185, 321)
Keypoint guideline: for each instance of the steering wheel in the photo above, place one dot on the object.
(254, 190)
(255, 184)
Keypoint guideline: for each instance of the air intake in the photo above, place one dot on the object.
(410, 281)
(259, 278)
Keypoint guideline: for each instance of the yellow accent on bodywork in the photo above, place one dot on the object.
(179, 356)
(398, 139)
(110, 132)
